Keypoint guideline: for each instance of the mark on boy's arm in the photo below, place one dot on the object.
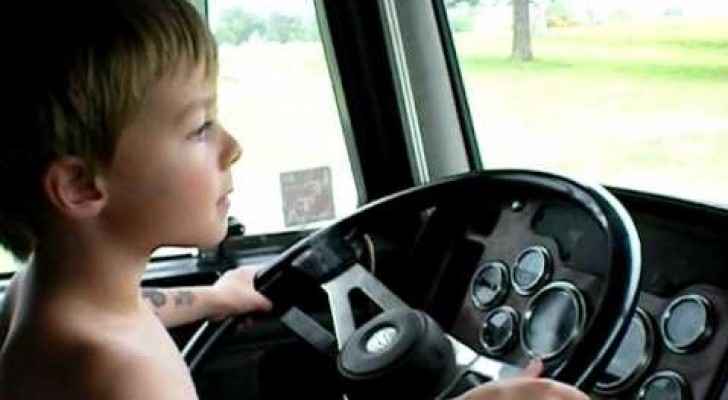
(184, 298)
(155, 296)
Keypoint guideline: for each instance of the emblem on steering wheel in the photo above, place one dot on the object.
(381, 340)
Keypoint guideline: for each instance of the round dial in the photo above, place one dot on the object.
(554, 319)
(687, 323)
(664, 385)
(498, 332)
(632, 357)
(532, 269)
(490, 285)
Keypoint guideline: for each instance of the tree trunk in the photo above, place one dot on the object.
(521, 31)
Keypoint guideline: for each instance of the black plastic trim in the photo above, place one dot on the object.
(460, 97)
(358, 41)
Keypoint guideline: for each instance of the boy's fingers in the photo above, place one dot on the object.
(263, 303)
(533, 369)
(565, 391)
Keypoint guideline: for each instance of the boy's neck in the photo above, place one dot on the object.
(96, 272)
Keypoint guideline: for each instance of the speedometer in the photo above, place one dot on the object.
(553, 321)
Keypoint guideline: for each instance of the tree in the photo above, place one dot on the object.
(237, 25)
(521, 45)
(286, 28)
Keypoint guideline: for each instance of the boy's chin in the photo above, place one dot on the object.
(209, 239)
(214, 239)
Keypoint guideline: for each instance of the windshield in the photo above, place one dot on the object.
(627, 93)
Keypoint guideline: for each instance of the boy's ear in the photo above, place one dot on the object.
(72, 189)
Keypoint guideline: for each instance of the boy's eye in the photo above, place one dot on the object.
(203, 131)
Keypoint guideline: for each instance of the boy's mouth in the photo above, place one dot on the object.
(224, 201)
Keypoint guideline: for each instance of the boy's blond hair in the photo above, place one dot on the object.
(79, 85)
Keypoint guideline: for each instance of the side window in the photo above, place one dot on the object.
(7, 262)
(275, 96)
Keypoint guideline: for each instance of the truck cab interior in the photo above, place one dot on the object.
(431, 203)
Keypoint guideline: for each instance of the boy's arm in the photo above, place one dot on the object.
(232, 294)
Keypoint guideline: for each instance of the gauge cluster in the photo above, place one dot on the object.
(673, 349)
(669, 345)
(532, 293)
(524, 297)
(524, 309)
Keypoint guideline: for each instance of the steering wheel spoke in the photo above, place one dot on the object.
(474, 369)
(339, 289)
(467, 360)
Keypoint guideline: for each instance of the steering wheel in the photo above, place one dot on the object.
(405, 346)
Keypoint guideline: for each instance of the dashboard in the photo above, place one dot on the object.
(523, 280)
(539, 278)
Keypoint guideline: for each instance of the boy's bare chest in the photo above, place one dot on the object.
(155, 342)
(36, 375)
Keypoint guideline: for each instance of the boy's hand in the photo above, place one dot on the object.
(234, 294)
(528, 386)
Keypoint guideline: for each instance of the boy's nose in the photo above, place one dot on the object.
(233, 151)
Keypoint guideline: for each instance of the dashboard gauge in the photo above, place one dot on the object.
(532, 268)
(664, 385)
(490, 285)
(687, 323)
(632, 358)
(499, 330)
(553, 321)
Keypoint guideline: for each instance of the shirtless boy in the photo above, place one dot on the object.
(114, 150)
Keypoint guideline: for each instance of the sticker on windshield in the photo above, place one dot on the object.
(307, 196)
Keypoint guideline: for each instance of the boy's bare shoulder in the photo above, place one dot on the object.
(117, 369)
(90, 360)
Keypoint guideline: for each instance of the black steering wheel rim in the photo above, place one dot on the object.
(588, 356)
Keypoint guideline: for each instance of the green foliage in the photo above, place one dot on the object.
(455, 3)
(237, 26)
(461, 23)
(284, 28)
(559, 14)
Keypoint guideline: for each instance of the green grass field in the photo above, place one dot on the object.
(638, 105)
